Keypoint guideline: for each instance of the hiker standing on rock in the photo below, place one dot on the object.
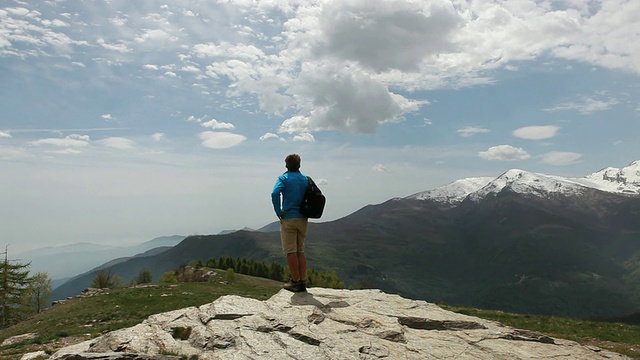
(293, 225)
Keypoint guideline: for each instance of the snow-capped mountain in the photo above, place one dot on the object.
(625, 180)
(454, 192)
(525, 182)
(622, 181)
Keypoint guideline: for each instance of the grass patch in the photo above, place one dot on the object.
(89, 317)
(618, 337)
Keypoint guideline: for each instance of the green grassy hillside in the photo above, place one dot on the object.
(83, 318)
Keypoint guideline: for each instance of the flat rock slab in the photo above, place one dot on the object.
(325, 324)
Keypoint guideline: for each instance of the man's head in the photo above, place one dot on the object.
(292, 161)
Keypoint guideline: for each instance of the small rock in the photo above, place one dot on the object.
(34, 355)
(19, 338)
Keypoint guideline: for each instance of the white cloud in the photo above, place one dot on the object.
(344, 99)
(586, 105)
(74, 140)
(190, 68)
(20, 11)
(220, 140)
(504, 153)
(155, 35)
(469, 131)
(536, 132)
(271, 136)
(560, 158)
(192, 118)
(240, 52)
(379, 168)
(215, 124)
(65, 152)
(54, 23)
(294, 124)
(121, 47)
(117, 143)
(158, 137)
(304, 137)
(4, 134)
(107, 116)
(600, 41)
(150, 67)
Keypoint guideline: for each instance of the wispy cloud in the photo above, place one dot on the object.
(536, 132)
(64, 152)
(469, 131)
(586, 105)
(64, 130)
(69, 141)
(119, 143)
(560, 158)
(220, 140)
(504, 153)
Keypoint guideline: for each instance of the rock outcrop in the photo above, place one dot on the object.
(324, 324)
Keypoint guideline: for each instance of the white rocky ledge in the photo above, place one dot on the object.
(324, 324)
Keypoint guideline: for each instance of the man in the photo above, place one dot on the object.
(293, 226)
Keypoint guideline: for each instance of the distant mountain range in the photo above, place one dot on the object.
(62, 262)
(521, 242)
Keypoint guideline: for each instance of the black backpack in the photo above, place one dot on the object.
(313, 202)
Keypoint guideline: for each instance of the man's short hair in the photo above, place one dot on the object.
(292, 161)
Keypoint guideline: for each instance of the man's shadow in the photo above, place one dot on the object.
(306, 298)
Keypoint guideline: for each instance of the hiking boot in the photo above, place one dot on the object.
(295, 286)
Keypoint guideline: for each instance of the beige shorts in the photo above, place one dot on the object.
(292, 234)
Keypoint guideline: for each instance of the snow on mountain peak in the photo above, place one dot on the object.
(525, 182)
(625, 180)
(610, 179)
(454, 192)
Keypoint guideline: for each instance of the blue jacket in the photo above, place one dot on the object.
(292, 185)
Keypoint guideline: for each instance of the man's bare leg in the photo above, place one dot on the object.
(294, 266)
(302, 266)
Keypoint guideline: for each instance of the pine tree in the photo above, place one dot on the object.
(14, 281)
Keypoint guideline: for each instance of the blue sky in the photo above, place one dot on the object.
(121, 121)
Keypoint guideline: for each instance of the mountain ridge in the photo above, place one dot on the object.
(568, 253)
(614, 180)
